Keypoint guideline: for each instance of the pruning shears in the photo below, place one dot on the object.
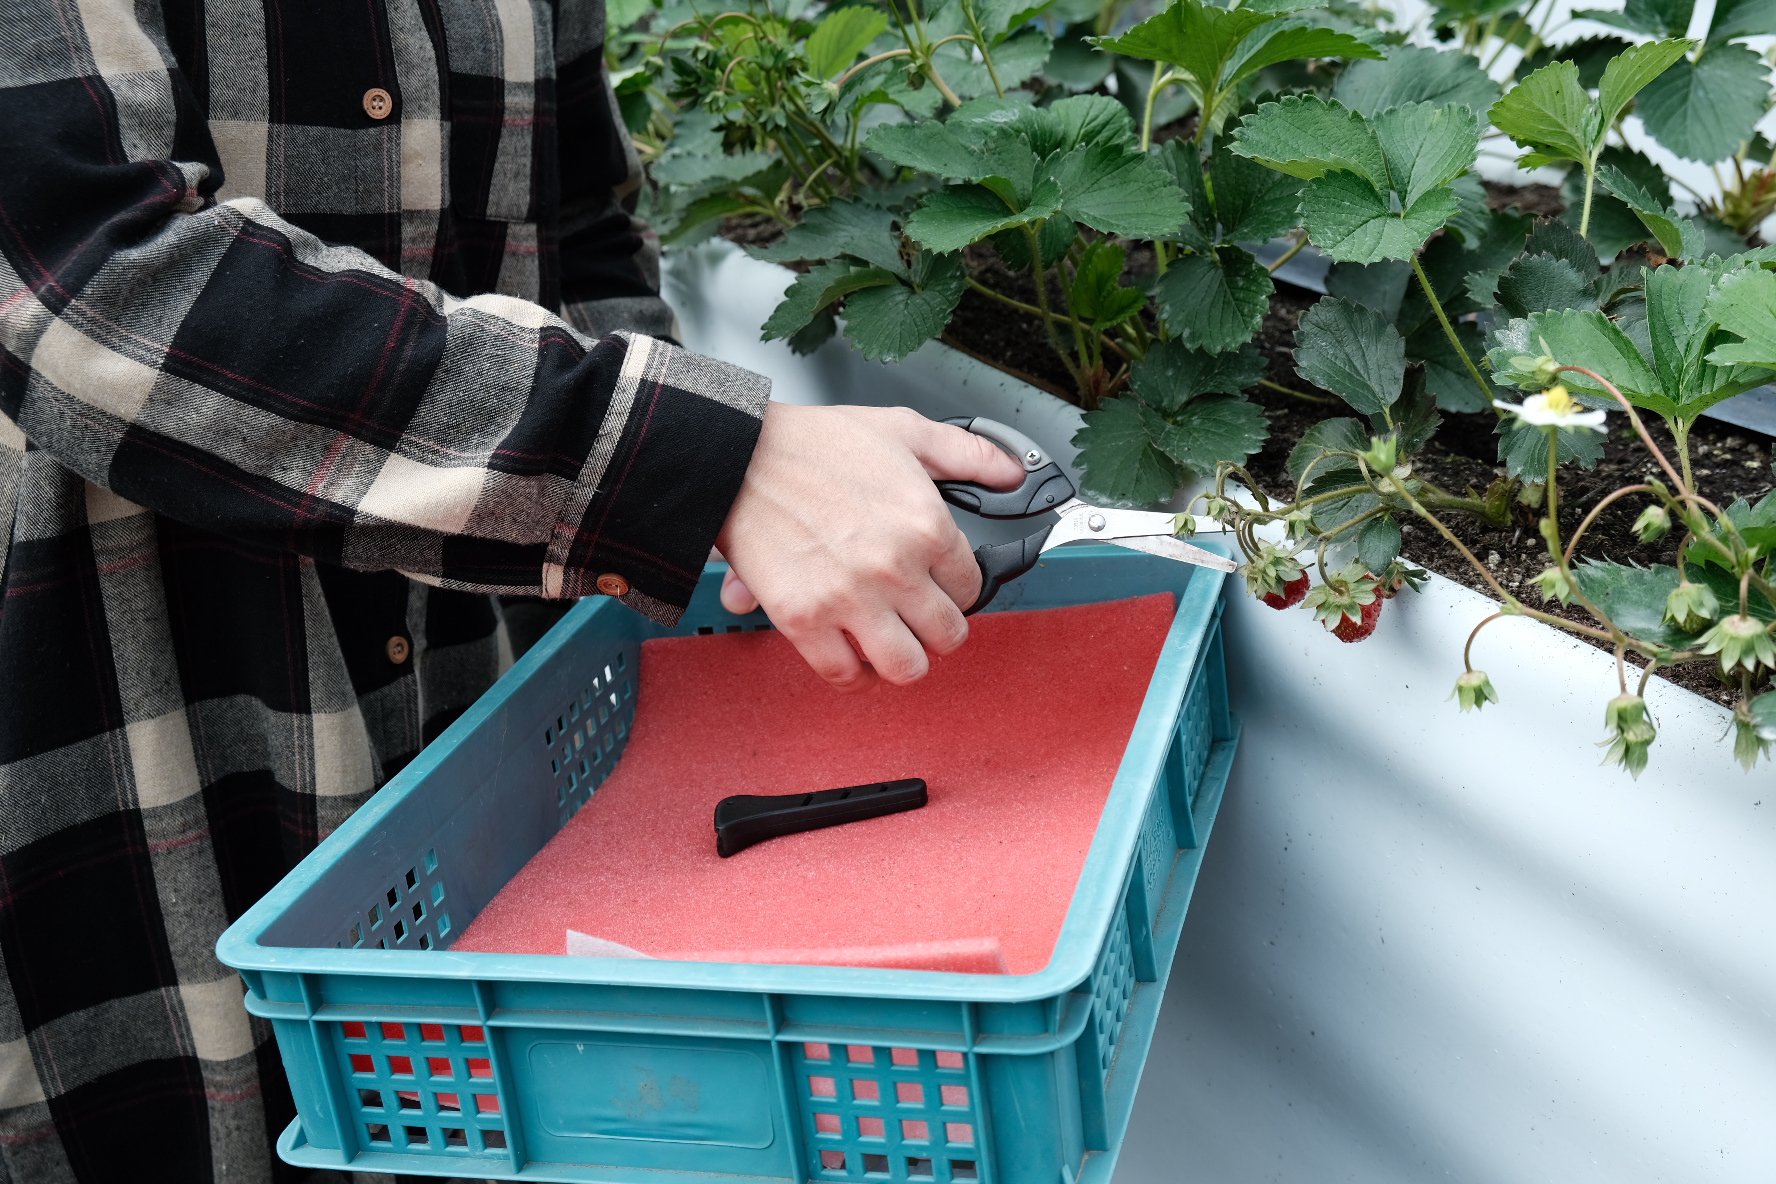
(1046, 489)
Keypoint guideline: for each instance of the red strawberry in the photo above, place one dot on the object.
(1291, 594)
(1348, 630)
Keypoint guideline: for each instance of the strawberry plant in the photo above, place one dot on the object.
(916, 154)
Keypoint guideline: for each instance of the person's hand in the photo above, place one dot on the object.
(840, 534)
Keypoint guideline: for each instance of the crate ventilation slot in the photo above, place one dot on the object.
(425, 1089)
(412, 913)
(1113, 984)
(584, 738)
(887, 1113)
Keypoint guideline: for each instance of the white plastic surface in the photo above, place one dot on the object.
(1426, 945)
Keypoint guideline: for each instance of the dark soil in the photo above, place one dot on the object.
(1531, 199)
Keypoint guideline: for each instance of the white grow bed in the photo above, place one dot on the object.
(1427, 945)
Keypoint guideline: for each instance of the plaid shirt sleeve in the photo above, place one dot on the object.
(222, 367)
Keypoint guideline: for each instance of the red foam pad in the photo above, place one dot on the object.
(1018, 736)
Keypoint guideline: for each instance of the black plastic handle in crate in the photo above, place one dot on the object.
(746, 819)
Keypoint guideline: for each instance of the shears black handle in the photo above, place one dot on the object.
(1045, 487)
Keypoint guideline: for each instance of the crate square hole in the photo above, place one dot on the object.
(362, 1063)
(394, 1032)
(370, 1099)
(416, 1136)
(817, 1052)
(832, 1161)
(963, 1169)
(871, 1128)
(412, 879)
(401, 1066)
(958, 1132)
(378, 1132)
(904, 1056)
(353, 1030)
(875, 1165)
(451, 1104)
(432, 1032)
(454, 1137)
(918, 1168)
(865, 1090)
(438, 1066)
(480, 1067)
(394, 898)
(487, 1104)
(472, 1034)
(953, 1095)
(823, 1087)
(827, 1124)
(915, 1128)
(409, 1099)
(860, 1054)
(909, 1093)
(495, 1140)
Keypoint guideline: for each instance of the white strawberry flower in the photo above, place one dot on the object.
(1554, 408)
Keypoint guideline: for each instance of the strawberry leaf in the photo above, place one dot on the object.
(1426, 147)
(816, 289)
(1634, 598)
(840, 37)
(1414, 75)
(1253, 203)
(1215, 301)
(1655, 18)
(1118, 459)
(1548, 113)
(1172, 374)
(1198, 37)
(1628, 73)
(1705, 110)
(1677, 235)
(1287, 41)
(890, 321)
(1352, 351)
(1114, 189)
(1329, 435)
(1524, 448)
(1207, 431)
(1305, 136)
(1097, 296)
(1378, 542)
(1536, 283)
(1744, 303)
(842, 228)
(954, 217)
(1350, 221)
(1578, 338)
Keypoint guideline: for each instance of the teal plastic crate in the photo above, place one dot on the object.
(405, 1056)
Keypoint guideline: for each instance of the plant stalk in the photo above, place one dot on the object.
(1424, 282)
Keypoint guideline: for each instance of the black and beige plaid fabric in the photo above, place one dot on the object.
(280, 405)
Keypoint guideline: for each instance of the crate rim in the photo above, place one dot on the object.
(1076, 949)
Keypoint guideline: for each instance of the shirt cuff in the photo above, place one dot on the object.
(654, 492)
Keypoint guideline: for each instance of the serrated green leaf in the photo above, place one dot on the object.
(1288, 41)
(1118, 460)
(1446, 375)
(1000, 18)
(1092, 119)
(1589, 54)
(1209, 430)
(1305, 136)
(1054, 239)
(1577, 338)
(927, 146)
(1216, 301)
(1182, 162)
(1113, 189)
(1253, 204)
(1172, 374)
(684, 169)
(1415, 412)
(1097, 296)
(1677, 235)
(1744, 304)
(706, 209)
(840, 36)
(1349, 221)
(1472, 215)
(1536, 283)
(814, 290)
(1631, 70)
(1414, 75)
(1523, 448)
(1549, 113)
(1426, 147)
(1381, 286)
(1614, 227)
(953, 218)
(1634, 598)
(1552, 237)
(1016, 60)
(1741, 18)
(1329, 435)
(1678, 321)
(1196, 36)
(1378, 542)
(842, 228)
(1655, 18)
(814, 334)
(1074, 64)
(891, 321)
(1705, 110)
(1352, 351)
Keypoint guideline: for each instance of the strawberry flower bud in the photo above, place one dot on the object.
(1691, 606)
(1740, 641)
(1383, 454)
(1653, 523)
(1183, 525)
(1754, 725)
(1300, 524)
(1631, 733)
(1474, 690)
(1554, 585)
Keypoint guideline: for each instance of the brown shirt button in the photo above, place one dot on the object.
(398, 649)
(612, 584)
(378, 103)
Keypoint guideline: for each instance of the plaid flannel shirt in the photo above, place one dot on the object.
(278, 390)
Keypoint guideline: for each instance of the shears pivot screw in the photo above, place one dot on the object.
(1095, 522)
